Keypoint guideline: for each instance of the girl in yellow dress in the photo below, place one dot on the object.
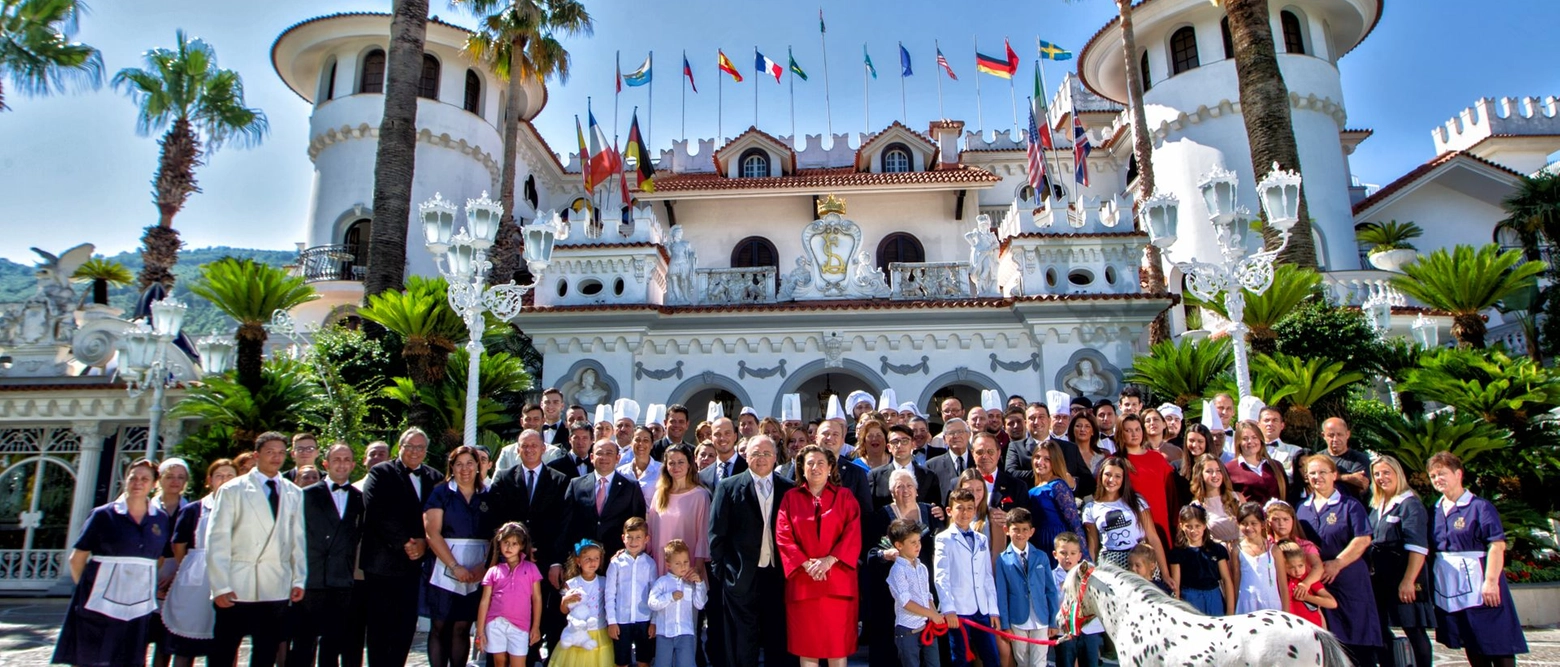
(584, 642)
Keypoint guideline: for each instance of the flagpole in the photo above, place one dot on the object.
(684, 80)
(980, 116)
(755, 91)
(650, 105)
(903, 116)
(866, 94)
(792, 80)
(940, 113)
(720, 105)
(1049, 133)
(1046, 122)
(828, 112)
(617, 91)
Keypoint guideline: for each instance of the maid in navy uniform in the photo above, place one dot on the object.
(1341, 530)
(1473, 607)
(115, 568)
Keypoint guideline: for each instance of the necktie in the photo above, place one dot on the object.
(530, 485)
(765, 559)
(721, 471)
(990, 479)
(958, 465)
(334, 487)
(1023, 563)
(601, 494)
(272, 497)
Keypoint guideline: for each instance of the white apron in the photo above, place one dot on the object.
(188, 611)
(471, 554)
(1459, 580)
(125, 588)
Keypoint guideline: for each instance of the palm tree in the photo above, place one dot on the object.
(1182, 371)
(1291, 286)
(1533, 213)
(35, 48)
(1465, 282)
(429, 329)
(102, 273)
(1303, 383)
(182, 89)
(285, 398)
(250, 293)
(1488, 384)
(1264, 103)
(1412, 440)
(516, 38)
(503, 378)
(396, 155)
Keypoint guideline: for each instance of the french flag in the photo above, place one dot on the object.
(766, 66)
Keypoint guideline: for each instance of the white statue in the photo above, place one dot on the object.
(589, 394)
(679, 272)
(867, 277)
(1087, 382)
(983, 256)
(48, 316)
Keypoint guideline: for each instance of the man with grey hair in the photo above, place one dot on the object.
(375, 453)
(394, 545)
(948, 466)
(532, 493)
(745, 570)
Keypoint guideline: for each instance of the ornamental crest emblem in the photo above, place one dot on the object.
(482, 507)
(156, 530)
(1332, 518)
(1459, 524)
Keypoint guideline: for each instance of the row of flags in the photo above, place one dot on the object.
(1004, 67)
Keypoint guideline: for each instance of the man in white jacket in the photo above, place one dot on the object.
(255, 555)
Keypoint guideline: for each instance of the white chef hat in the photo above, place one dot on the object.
(991, 400)
(1059, 402)
(909, 408)
(791, 408)
(1250, 408)
(888, 400)
(655, 414)
(1171, 409)
(625, 408)
(1211, 419)
(855, 398)
(834, 411)
(748, 410)
(714, 411)
(603, 413)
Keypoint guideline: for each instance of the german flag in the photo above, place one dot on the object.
(1004, 68)
(727, 67)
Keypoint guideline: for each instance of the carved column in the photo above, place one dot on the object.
(91, 435)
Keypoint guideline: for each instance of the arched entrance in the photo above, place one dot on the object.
(963, 384)
(698, 391)
(815, 382)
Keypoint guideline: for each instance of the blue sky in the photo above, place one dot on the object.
(73, 170)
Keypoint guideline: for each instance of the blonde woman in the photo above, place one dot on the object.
(1255, 475)
(1400, 543)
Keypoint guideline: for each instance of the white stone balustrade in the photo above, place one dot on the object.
(929, 280)
(738, 285)
(1354, 288)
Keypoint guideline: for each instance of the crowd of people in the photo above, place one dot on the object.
(626, 541)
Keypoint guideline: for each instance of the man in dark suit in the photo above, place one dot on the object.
(332, 529)
(901, 446)
(1019, 461)
(949, 465)
(575, 459)
(1003, 491)
(676, 430)
(728, 462)
(745, 563)
(394, 545)
(555, 430)
(532, 493)
(598, 504)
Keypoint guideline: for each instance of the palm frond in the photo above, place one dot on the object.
(106, 270)
(1466, 280)
(186, 83)
(250, 292)
(36, 51)
(1413, 440)
(1182, 370)
(1291, 286)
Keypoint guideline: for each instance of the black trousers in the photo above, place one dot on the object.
(265, 623)
(357, 627)
(716, 651)
(757, 621)
(323, 630)
(392, 617)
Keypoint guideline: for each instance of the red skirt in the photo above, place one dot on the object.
(821, 627)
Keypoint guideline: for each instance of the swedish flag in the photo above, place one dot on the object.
(1051, 51)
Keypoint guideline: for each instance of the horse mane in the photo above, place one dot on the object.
(1139, 587)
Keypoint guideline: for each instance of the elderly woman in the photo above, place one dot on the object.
(453, 519)
(187, 612)
(114, 565)
(1400, 543)
(818, 535)
(1473, 606)
(1255, 475)
(679, 508)
(1341, 530)
(1051, 501)
(878, 621)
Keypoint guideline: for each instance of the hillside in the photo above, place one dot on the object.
(17, 282)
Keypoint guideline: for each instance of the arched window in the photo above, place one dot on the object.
(1183, 50)
(373, 79)
(1229, 41)
(754, 251)
(754, 164)
(1025, 194)
(899, 247)
(896, 159)
(428, 84)
(473, 92)
(1132, 168)
(1143, 71)
(330, 82)
(1294, 42)
(356, 242)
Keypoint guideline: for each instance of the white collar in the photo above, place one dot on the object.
(766, 478)
(328, 481)
(1396, 500)
(907, 466)
(1447, 504)
(537, 470)
(121, 506)
(1318, 502)
(1022, 553)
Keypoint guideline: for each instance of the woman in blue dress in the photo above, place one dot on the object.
(114, 565)
(1339, 527)
(1051, 500)
(1399, 548)
(1473, 606)
(454, 518)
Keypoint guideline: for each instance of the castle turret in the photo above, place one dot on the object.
(1517, 132)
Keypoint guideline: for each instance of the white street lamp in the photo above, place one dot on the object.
(217, 353)
(1426, 332)
(463, 261)
(1235, 272)
(1378, 311)
(143, 361)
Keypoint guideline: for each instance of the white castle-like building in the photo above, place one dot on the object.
(763, 265)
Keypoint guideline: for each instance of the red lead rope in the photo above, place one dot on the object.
(932, 631)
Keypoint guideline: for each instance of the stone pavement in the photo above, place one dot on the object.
(28, 627)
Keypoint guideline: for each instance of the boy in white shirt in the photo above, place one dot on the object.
(907, 582)
(965, 586)
(676, 599)
(1082, 650)
(629, 576)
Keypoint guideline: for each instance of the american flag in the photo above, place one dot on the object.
(1081, 150)
(1036, 160)
(943, 63)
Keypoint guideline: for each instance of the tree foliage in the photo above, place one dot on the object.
(1465, 282)
(1182, 371)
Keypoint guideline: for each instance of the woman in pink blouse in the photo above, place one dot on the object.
(680, 509)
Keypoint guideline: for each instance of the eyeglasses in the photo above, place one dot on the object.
(306, 450)
(414, 448)
(761, 455)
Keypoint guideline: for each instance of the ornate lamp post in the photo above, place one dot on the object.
(1236, 271)
(143, 360)
(217, 353)
(462, 260)
(1426, 332)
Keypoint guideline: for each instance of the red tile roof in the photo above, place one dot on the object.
(823, 178)
(939, 124)
(930, 145)
(752, 129)
(1421, 172)
(848, 304)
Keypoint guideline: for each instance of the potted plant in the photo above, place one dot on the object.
(1388, 241)
(102, 273)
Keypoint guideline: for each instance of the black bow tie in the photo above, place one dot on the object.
(334, 487)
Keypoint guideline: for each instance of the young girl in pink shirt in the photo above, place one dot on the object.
(511, 609)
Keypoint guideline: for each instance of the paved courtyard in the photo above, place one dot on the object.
(28, 627)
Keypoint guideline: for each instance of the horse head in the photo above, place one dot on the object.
(1078, 606)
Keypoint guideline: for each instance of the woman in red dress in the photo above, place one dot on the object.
(818, 534)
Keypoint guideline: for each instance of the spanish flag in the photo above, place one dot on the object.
(995, 67)
(727, 67)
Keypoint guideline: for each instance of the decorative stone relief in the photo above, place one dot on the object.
(983, 256)
(923, 368)
(640, 372)
(680, 270)
(828, 241)
(743, 371)
(1015, 366)
(1088, 374)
